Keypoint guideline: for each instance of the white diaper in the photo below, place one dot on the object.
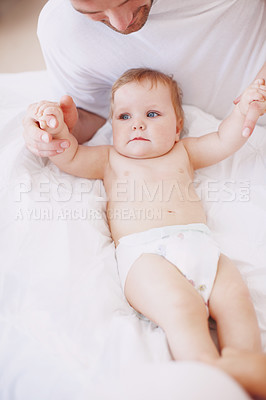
(189, 247)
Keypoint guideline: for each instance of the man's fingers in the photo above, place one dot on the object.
(37, 122)
(37, 137)
(33, 134)
(69, 110)
(254, 95)
(258, 83)
(44, 153)
(42, 144)
(54, 145)
(66, 101)
(32, 131)
(252, 116)
(50, 153)
(32, 149)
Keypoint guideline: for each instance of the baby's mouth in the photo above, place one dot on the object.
(139, 138)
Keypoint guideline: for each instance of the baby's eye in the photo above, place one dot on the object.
(152, 114)
(124, 116)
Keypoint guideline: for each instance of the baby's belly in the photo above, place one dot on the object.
(132, 217)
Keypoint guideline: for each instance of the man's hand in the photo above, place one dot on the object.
(70, 111)
(40, 142)
(256, 108)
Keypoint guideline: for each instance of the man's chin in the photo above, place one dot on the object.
(129, 30)
(136, 26)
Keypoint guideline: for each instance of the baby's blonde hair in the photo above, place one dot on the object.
(141, 74)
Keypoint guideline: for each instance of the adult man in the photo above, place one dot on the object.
(87, 44)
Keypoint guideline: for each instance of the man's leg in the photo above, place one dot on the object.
(156, 289)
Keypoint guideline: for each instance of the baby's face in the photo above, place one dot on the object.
(144, 120)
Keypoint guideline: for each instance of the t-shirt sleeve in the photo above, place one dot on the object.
(68, 70)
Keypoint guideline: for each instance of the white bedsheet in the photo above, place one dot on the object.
(66, 331)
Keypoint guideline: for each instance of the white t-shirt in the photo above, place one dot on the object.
(214, 49)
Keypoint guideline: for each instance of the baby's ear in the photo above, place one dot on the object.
(177, 136)
(179, 127)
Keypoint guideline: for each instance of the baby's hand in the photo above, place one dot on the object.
(252, 105)
(50, 118)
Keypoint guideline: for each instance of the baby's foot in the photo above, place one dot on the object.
(50, 118)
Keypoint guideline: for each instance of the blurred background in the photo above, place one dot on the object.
(19, 46)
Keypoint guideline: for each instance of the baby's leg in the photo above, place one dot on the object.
(247, 368)
(156, 289)
(231, 306)
(51, 118)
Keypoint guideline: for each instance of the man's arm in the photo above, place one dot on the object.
(87, 125)
(214, 147)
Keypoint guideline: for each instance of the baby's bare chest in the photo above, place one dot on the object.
(147, 180)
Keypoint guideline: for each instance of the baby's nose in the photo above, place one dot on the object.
(138, 126)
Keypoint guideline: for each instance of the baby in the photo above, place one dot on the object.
(170, 267)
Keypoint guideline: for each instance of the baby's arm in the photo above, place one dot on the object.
(214, 147)
(83, 161)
